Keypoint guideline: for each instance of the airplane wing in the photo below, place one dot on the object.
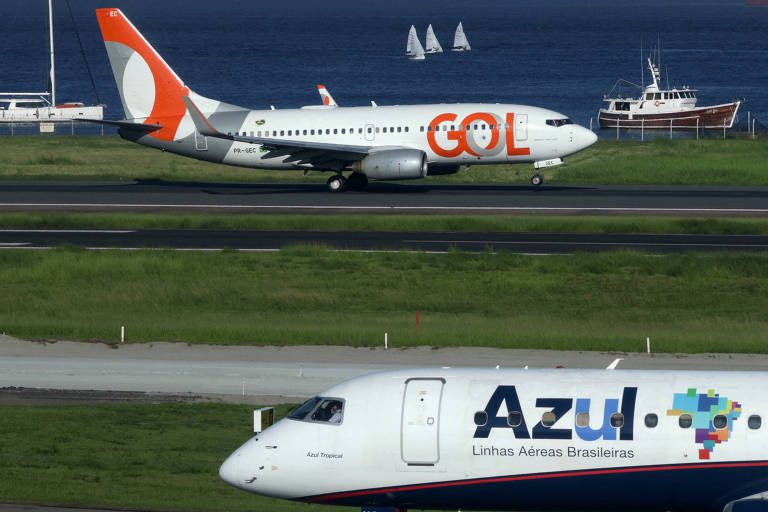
(300, 152)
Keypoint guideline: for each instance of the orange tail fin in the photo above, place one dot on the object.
(149, 89)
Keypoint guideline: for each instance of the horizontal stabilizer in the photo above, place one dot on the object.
(125, 123)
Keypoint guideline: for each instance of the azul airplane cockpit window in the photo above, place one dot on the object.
(320, 409)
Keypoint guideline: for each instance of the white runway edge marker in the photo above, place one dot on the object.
(385, 341)
(648, 344)
(122, 334)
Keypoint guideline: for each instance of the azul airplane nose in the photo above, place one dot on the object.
(230, 469)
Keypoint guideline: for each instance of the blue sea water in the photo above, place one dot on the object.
(560, 54)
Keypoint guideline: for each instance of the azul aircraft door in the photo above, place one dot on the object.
(420, 422)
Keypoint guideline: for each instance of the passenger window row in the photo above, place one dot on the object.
(515, 419)
(322, 131)
(467, 128)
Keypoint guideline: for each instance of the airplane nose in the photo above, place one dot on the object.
(587, 136)
(229, 469)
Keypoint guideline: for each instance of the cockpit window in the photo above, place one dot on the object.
(558, 122)
(320, 409)
(304, 409)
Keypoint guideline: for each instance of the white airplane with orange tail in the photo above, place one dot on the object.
(379, 143)
(326, 96)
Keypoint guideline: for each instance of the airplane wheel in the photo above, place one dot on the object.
(537, 179)
(337, 183)
(357, 181)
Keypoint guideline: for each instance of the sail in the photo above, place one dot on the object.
(432, 44)
(460, 42)
(414, 49)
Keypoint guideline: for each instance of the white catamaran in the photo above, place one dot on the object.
(34, 107)
(433, 45)
(413, 49)
(460, 43)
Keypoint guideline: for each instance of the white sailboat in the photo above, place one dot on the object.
(34, 107)
(432, 44)
(460, 43)
(414, 50)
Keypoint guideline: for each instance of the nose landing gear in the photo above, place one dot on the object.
(537, 179)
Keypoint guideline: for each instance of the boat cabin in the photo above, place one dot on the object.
(14, 103)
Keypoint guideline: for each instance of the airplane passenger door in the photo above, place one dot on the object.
(521, 127)
(420, 423)
(370, 132)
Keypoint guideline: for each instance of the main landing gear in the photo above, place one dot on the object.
(537, 179)
(338, 183)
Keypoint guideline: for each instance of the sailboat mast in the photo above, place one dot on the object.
(50, 38)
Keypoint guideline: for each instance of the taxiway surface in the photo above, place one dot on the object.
(417, 197)
(275, 374)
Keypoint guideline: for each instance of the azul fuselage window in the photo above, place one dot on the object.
(754, 422)
(548, 419)
(720, 421)
(515, 419)
(320, 410)
(651, 420)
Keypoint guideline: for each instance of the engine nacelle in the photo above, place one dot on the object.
(393, 164)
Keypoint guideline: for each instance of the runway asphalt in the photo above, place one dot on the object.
(408, 197)
(530, 243)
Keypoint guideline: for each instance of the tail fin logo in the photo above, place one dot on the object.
(326, 96)
(149, 89)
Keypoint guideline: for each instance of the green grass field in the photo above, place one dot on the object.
(662, 161)
(455, 223)
(311, 295)
(129, 456)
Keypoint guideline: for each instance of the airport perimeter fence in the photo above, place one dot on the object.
(744, 126)
(57, 128)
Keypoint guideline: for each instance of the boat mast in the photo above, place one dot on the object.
(642, 71)
(50, 37)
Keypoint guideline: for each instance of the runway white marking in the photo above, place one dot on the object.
(13, 244)
(392, 208)
(545, 242)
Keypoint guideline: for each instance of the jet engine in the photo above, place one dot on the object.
(393, 164)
